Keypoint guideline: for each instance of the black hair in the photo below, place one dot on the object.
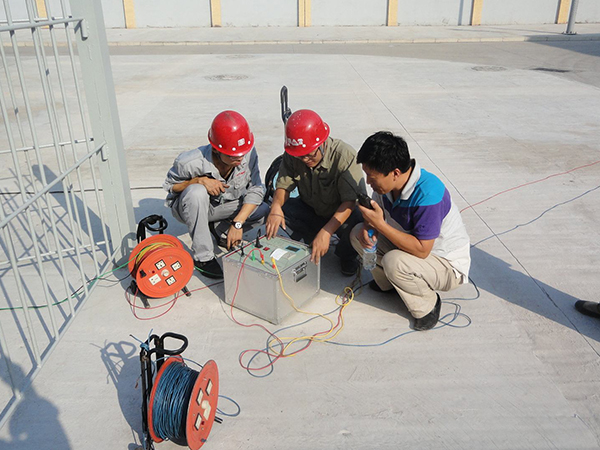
(384, 152)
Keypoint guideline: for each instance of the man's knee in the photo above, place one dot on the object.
(354, 238)
(393, 262)
(354, 233)
(195, 194)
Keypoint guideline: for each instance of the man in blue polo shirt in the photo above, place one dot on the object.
(422, 243)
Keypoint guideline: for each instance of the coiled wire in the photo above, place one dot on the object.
(144, 252)
(171, 400)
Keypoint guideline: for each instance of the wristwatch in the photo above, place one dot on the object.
(237, 225)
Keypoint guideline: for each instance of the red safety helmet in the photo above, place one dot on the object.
(304, 132)
(230, 134)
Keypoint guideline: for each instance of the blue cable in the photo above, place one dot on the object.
(239, 410)
(171, 400)
(443, 320)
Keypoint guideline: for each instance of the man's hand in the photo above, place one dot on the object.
(234, 237)
(213, 187)
(274, 221)
(364, 239)
(320, 245)
(373, 217)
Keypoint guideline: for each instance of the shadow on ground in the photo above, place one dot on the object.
(47, 432)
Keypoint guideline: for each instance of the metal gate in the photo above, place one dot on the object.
(66, 212)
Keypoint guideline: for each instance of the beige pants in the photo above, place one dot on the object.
(415, 279)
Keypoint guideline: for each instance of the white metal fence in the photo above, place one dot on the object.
(66, 210)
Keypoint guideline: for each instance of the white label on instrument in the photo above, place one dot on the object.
(277, 254)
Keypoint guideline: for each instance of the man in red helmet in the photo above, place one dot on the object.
(219, 182)
(328, 180)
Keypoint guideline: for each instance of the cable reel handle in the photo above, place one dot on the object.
(162, 225)
(286, 112)
(146, 224)
(177, 336)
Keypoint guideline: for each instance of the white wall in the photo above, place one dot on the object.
(114, 16)
(113, 11)
(348, 12)
(434, 12)
(172, 13)
(259, 13)
(17, 11)
(506, 12)
(273, 13)
(588, 11)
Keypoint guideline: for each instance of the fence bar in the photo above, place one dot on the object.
(572, 17)
(49, 186)
(62, 144)
(30, 257)
(73, 150)
(56, 137)
(84, 124)
(22, 136)
(21, 291)
(53, 252)
(24, 92)
(18, 25)
(34, 241)
(29, 380)
(102, 102)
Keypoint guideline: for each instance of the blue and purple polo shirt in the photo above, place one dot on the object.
(425, 210)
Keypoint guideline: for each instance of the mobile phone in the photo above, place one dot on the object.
(364, 200)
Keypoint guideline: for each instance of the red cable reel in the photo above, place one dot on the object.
(199, 405)
(161, 266)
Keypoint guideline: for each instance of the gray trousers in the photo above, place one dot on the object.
(193, 207)
(415, 279)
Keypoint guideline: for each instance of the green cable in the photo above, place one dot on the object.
(93, 280)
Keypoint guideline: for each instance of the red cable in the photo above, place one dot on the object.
(237, 286)
(527, 184)
(134, 306)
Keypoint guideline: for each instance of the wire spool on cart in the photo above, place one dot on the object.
(160, 266)
(180, 404)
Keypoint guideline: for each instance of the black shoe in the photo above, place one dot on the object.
(373, 285)
(210, 269)
(428, 322)
(591, 309)
(349, 267)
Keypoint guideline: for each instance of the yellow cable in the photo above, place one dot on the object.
(347, 291)
(149, 248)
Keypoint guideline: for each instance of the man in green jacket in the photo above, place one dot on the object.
(328, 180)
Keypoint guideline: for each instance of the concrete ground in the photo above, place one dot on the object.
(519, 369)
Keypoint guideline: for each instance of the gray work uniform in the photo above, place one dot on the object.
(196, 208)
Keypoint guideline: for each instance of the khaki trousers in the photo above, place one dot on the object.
(415, 279)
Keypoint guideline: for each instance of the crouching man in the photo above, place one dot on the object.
(217, 183)
(328, 179)
(422, 243)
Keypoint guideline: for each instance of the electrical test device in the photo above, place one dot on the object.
(258, 276)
